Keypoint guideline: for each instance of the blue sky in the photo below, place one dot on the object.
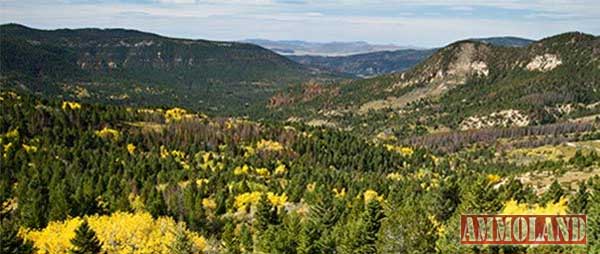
(402, 22)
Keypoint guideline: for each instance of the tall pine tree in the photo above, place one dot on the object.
(85, 241)
(264, 215)
(593, 220)
(578, 204)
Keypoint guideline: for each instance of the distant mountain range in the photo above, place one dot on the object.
(385, 61)
(295, 47)
(132, 67)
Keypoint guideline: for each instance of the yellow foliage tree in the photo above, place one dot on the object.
(372, 195)
(280, 169)
(119, 233)
(394, 176)
(269, 145)
(109, 133)
(30, 148)
(262, 172)
(512, 207)
(252, 198)
(131, 148)
(406, 151)
(209, 203)
(175, 115)
(70, 105)
(241, 170)
(339, 193)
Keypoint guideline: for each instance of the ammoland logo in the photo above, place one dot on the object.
(523, 229)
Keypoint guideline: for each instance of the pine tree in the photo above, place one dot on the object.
(11, 242)
(229, 241)
(481, 197)
(553, 194)
(578, 204)
(155, 203)
(264, 215)
(193, 210)
(400, 228)
(59, 203)
(371, 220)
(315, 235)
(182, 243)
(33, 205)
(309, 235)
(362, 234)
(246, 243)
(593, 220)
(85, 241)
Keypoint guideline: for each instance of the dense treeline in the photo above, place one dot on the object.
(245, 187)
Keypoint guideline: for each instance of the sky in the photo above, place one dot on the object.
(430, 23)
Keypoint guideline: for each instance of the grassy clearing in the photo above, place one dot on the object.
(566, 151)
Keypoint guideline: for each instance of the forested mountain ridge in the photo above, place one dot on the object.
(466, 85)
(136, 68)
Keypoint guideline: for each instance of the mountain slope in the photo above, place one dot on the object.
(132, 67)
(368, 64)
(467, 85)
(384, 62)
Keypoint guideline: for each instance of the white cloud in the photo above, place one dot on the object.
(314, 14)
(176, 1)
(312, 20)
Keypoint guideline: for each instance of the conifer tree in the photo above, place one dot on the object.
(593, 220)
(579, 202)
(481, 197)
(312, 228)
(362, 234)
(182, 243)
(229, 241)
(246, 243)
(11, 242)
(400, 228)
(553, 194)
(315, 231)
(59, 203)
(264, 215)
(155, 203)
(85, 241)
(33, 204)
(371, 220)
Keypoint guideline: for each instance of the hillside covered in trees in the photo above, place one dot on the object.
(128, 67)
(465, 86)
(86, 177)
(385, 61)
